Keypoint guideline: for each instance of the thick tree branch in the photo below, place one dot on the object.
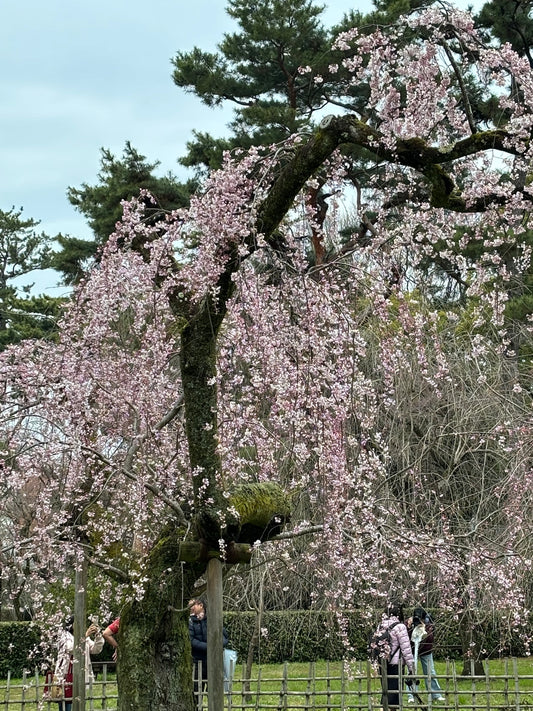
(416, 153)
(111, 570)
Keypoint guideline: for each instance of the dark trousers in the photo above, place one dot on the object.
(390, 685)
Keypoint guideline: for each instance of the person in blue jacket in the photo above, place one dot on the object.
(198, 635)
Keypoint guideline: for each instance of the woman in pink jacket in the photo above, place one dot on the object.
(400, 654)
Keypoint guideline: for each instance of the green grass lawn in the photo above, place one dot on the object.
(507, 684)
(30, 690)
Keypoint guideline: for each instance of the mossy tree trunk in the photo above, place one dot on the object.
(154, 652)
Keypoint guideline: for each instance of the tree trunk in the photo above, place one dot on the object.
(254, 641)
(154, 665)
(470, 647)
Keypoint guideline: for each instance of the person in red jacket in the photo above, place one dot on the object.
(400, 654)
(110, 635)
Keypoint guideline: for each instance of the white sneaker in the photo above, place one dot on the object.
(439, 698)
(410, 701)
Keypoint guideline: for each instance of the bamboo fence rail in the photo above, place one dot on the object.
(354, 688)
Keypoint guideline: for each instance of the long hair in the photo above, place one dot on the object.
(395, 609)
(68, 624)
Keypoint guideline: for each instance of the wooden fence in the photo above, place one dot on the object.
(359, 687)
(28, 693)
(356, 688)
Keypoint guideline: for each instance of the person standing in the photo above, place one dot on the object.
(425, 654)
(400, 654)
(110, 635)
(65, 651)
(198, 636)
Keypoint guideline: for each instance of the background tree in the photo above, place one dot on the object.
(119, 180)
(22, 251)
(510, 22)
(257, 70)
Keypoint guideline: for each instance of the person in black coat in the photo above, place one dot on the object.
(198, 635)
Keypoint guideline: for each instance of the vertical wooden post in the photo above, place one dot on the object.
(80, 626)
(516, 683)
(215, 642)
(369, 675)
(284, 690)
(385, 685)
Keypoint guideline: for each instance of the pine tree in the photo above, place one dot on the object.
(118, 180)
(510, 21)
(257, 69)
(23, 250)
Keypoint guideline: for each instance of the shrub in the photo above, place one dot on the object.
(18, 647)
(306, 636)
(301, 636)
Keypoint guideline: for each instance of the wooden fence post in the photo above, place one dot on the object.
(80, 626)
(215, 646)
(384, 685)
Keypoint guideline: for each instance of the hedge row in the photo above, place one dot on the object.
(302, 636)
(18, 642)
(309, 636)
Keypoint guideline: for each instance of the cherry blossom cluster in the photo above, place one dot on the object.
(392, 414)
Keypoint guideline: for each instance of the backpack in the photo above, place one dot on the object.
(380, 645)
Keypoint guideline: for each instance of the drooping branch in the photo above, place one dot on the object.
(127, 471)
(203, 320)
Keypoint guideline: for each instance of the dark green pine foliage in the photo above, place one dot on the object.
(118, 180)
(510, 21)
(257, 70)
(23, 250)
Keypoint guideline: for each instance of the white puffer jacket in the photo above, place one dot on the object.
(66, 650)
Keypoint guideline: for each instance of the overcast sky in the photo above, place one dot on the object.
(78, 76)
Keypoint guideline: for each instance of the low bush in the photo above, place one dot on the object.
(302, 636)
(18, 647)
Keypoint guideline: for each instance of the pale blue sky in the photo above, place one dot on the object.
(77, 76)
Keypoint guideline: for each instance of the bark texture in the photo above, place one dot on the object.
(154, 652)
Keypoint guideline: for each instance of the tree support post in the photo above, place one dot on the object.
(215, 646)
(78, 667)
